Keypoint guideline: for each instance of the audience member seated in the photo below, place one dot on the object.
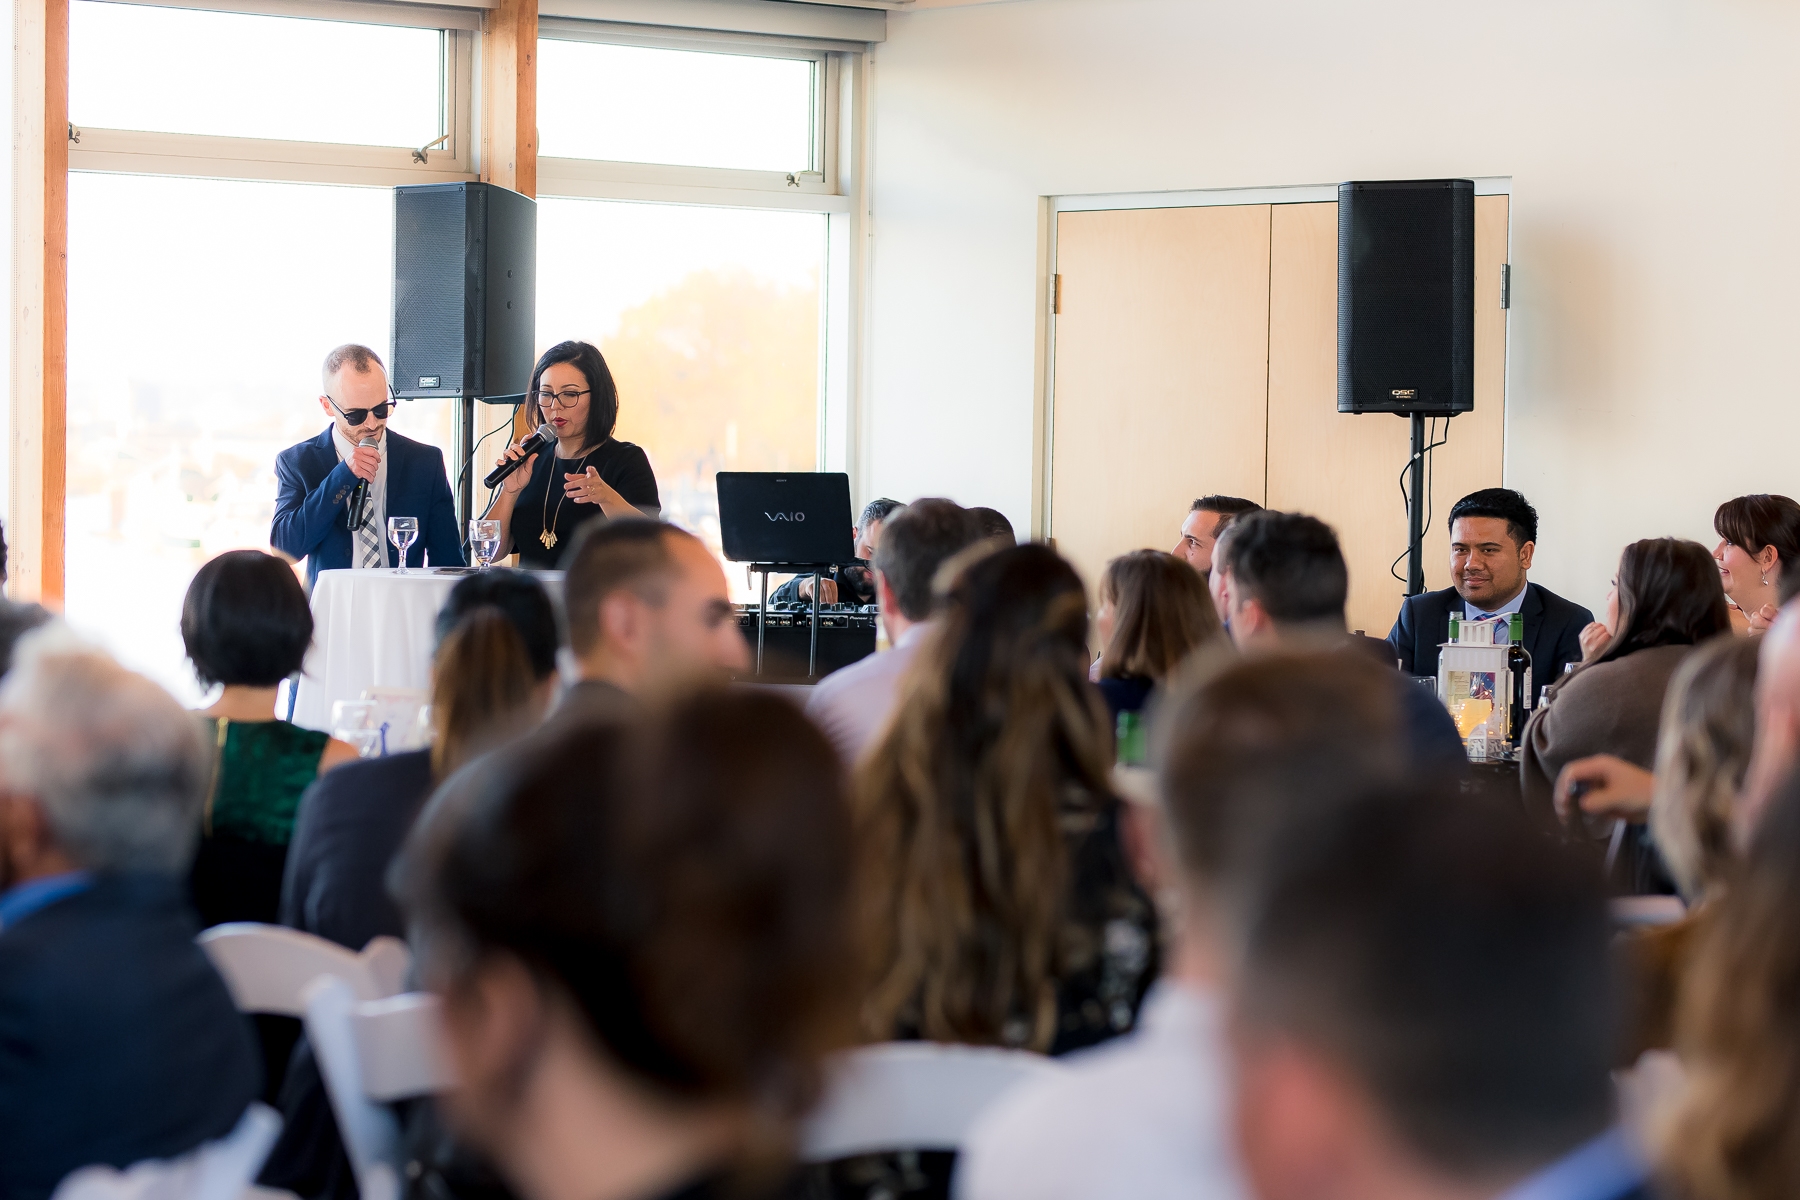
(16, 619)
(647, 611)
(493, 678)
(246, 625)
(1759, 538)
(1154, 613)
(1000, 908)
(1777, 751)
(1288, 584)
(1738, 1033)
(118, 1041)
(643, 952)
(1424, 1007)
(851, 584)
(993, 524)
(853, 704)
(1218, 582)
(1665, 601)
(1145, 1116)
(1207, 518)
(1493, 534)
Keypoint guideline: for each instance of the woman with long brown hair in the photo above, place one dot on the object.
(1154, 612)
(1665, 601)
(999, 907)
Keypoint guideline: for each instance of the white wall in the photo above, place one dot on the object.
(1656, 253)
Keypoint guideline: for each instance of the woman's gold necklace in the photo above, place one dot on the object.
(548, 537)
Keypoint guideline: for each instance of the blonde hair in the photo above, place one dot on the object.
(959, 807)
(1702, 752)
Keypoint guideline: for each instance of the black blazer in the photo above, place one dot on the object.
(1552, 632)
(313, 488)
(118, 1040)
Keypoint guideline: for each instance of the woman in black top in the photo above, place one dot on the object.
(592, 472)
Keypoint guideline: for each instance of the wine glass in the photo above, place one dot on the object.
(484, 542)
(403, 532)
(353, 721)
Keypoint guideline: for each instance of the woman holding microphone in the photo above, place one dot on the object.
(541, 505)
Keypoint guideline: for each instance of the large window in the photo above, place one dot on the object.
(709, 319)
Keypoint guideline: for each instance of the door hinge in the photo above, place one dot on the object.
(1505, 285)
(1056, 295)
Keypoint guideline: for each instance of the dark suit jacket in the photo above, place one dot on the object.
(118, 1040)
(1552, 632)
(313, 493)
(348, 829)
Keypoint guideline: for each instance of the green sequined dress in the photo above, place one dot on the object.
(260, 770)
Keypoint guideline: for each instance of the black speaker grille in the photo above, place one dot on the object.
(430, 281)
(1406, 297)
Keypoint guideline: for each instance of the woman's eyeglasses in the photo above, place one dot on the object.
(356, 416)
(567, 398)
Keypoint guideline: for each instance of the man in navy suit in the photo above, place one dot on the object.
(118, 1040)
(1493, 534)
(319, 513)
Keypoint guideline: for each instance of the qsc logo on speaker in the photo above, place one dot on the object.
(781, 516)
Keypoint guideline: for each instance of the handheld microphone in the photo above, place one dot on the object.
(536, 440)
(354, 518)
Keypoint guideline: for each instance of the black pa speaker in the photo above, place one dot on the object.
(465, 291)
(1406, 297)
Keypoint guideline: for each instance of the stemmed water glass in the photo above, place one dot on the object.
(403, 532)
(484, 542)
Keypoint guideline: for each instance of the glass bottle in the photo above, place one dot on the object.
(1131, 749)
(1518, 661)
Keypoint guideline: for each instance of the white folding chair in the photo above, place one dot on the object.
(370, 1053)
(268, 967)
(911, 1096)
(219, 1170)
(1648, 910)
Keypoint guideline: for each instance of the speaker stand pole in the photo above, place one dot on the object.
(1415, 511)
(465, 446)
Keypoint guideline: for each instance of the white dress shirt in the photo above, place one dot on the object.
(853, 705)
(346, 449)
(1143, 1117)
(1502, 632)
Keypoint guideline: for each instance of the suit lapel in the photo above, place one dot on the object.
(1533, 612)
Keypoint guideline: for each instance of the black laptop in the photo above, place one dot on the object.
(786, 517)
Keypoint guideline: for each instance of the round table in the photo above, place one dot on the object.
(375, 629)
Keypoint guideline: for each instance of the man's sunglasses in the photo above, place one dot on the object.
(356, 416)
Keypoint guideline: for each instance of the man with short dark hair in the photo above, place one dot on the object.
(1493, 534)
(852, 705)
(118, 1039)
(853, 583)
(1207, 518)
(1424, 1006)
(320, 515)
(646, 609)
(1287, 583)
(1144, 1116)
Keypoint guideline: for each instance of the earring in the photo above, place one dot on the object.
(1765, 579)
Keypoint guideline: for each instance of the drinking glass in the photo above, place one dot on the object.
(403, 532)
(353, 721)
(484, 542)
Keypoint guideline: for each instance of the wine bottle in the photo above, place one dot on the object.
(1518, 661)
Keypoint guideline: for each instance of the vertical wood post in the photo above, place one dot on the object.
(40, 293)
(509, 96)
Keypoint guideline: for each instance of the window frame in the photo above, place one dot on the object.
(138, 152)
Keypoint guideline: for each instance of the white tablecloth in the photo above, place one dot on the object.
(370, 629)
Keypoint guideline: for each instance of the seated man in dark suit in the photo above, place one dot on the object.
(118, 1040)
(319, 513)
(1286, 583)
(1493, 534)
(1425, 1007)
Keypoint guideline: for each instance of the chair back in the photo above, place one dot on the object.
(221, 1170)
(911, 1096)
(268, 967)
(370, 1053)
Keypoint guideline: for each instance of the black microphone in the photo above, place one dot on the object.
(534, 441)
(354, 518)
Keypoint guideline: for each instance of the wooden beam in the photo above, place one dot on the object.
(40, 293)
(509, 96)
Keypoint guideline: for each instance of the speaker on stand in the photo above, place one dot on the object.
(465, 305)
(1406, 315)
